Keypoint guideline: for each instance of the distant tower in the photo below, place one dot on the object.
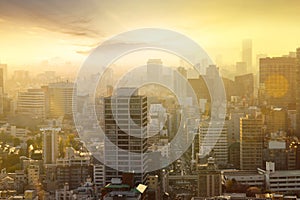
(247, 53)
(298, 94)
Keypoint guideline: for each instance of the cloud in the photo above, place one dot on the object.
(91, 45)
(85, 52)
(68, 17)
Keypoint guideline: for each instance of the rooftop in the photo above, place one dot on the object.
(114, 186)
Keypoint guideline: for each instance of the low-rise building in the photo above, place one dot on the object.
(244, 177)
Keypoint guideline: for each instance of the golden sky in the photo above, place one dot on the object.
(33, 31)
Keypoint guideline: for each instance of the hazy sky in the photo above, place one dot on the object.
(32, 31)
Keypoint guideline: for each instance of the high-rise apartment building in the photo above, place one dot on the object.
(126, 130)
(277, 79)
(32, 103)
(251, 143)
(50, 146)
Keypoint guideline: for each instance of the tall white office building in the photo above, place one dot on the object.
(126, 129)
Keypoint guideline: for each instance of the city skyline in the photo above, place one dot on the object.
(40, 32)
(167, 100)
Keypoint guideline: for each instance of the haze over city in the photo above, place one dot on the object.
(149, 100)
(50, 31)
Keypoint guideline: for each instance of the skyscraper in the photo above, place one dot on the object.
(251, 143)
(298, 94)
(277, 81)
(247, 53)
(125, 129)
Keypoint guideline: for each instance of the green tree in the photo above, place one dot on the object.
(61, 147)
(16, 141)
(252, 191)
